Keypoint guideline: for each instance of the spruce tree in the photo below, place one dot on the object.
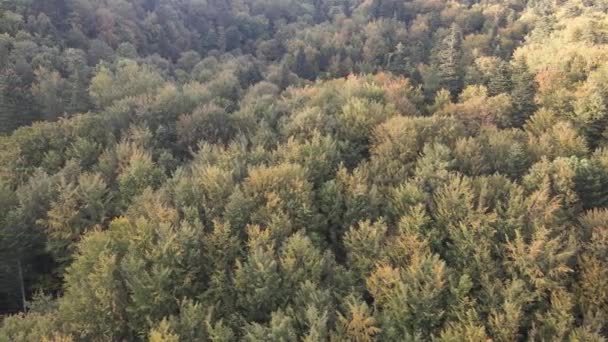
(399, 62)
(523, 93)
(500, 83)
(7, 103)
(15, 101)
(301, 66)
(448, 61)
(591, 183)
(78, 81)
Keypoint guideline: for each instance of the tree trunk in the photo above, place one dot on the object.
(21, 285)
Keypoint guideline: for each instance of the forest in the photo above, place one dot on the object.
(303, 170)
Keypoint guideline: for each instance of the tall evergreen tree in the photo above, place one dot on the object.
(591, 184)
(301, 65)
(8, 112)
(500, 83)
(78, 81)
(15, 101)
(523, 93)
(448, 61)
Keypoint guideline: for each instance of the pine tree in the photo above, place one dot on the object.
(468, 328)
(7, 102)
(281, 328)
(398, 62)
(591, 181)
(523, 93)
(357, 324)
(448, 61)
(301, 65)
(163, 333)
(48, 91)
(316, 322)
(257, 279)
(500, 83)
(78, 81)
(15, 101)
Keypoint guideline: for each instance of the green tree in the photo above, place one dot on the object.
(523, 93)
(49, 92)
(356, 323)
(301, 65)
(80, 207)
(15, 108)
(500, 82)
(591, 181)
(77, 82)
(139, 173)
(127, 79)
(449, 61)
(257, 279)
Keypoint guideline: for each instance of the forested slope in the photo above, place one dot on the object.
(321, 170)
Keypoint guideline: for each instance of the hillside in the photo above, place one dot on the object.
(303, 170)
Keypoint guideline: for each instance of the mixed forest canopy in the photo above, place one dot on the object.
(303, 170)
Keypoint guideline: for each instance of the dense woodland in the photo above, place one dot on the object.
(303, 170)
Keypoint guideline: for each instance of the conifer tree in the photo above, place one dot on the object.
(523, 93)
(301, 66)
(15, 102)
(357, 323)
(591, 181)
(281, 328)
(77, 88)
(500, 81)
(213, 195)
(448, 61)
(257, 279)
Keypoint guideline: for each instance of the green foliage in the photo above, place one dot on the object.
(33, 327)
(279, 329)
(500, 81)
(78, 208)
(448, 61)
(127, 79)
(356, 323)
(257, 279)
(139, 173)
(523, 93)
(315, 170)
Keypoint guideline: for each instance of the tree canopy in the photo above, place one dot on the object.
(303, 170)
